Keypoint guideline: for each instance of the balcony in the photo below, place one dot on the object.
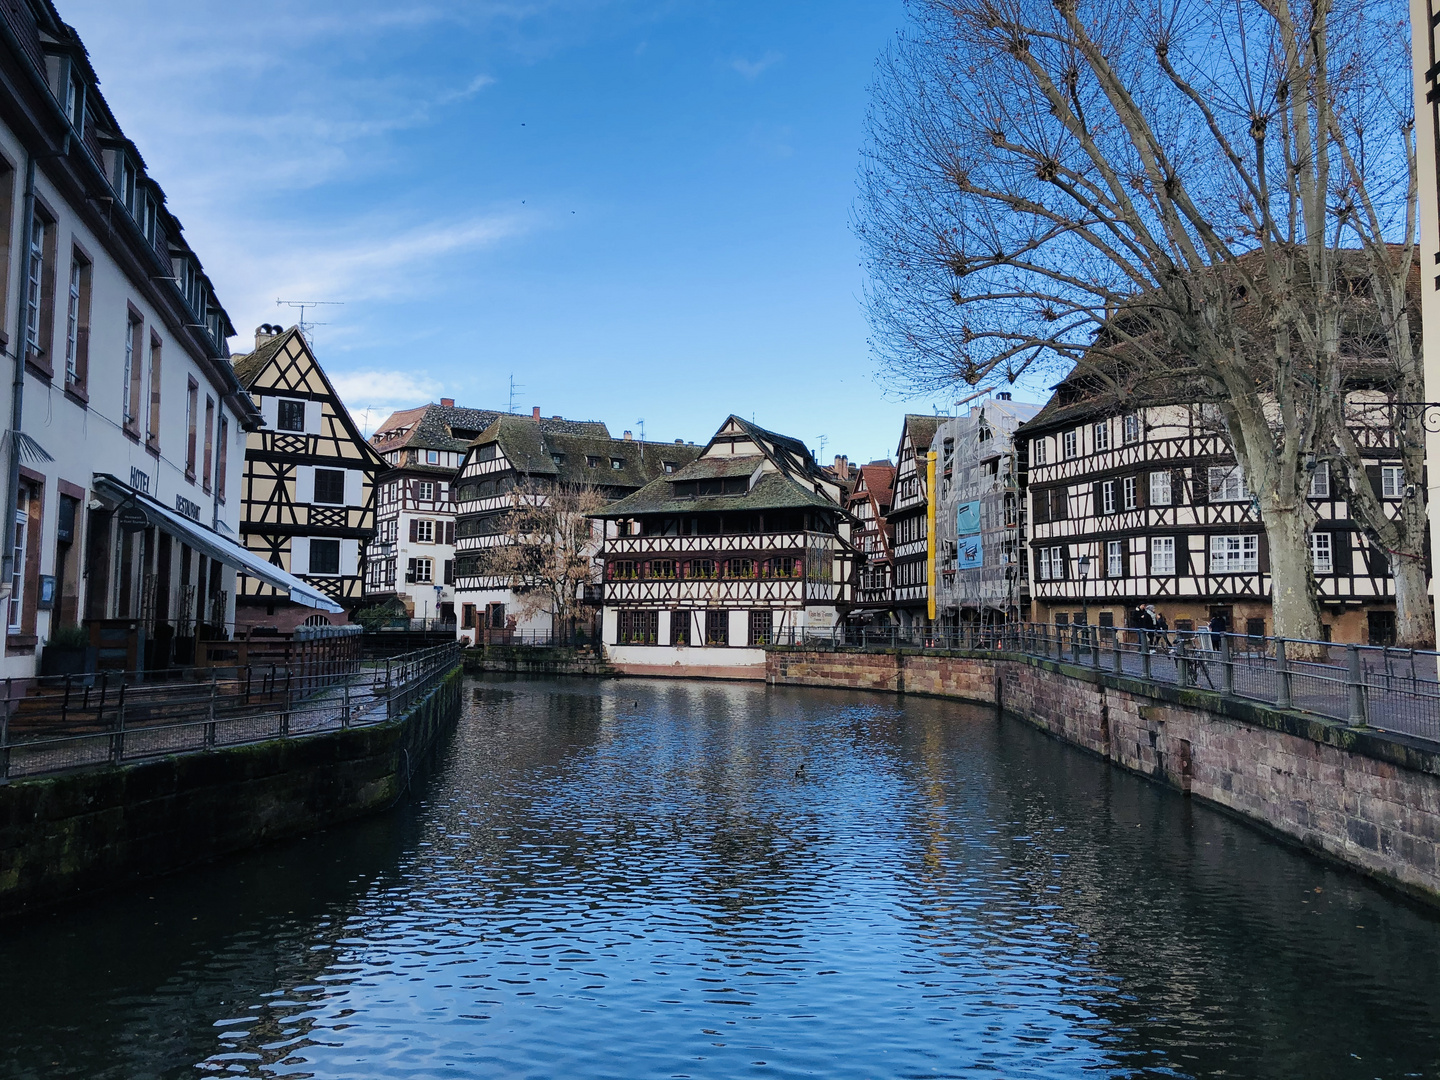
(742, 543)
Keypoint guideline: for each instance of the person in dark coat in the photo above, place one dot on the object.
(1219, 626)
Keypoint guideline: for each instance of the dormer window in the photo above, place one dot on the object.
(432, 457)
(669, 466)
(125, 183)
(559, 459)
(75, 101)
(592, 461)
(617, 463)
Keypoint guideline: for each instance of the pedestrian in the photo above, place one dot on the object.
(1219, 627)
(1162, 628)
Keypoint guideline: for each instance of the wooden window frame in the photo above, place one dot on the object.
(40, 292)
(134, 372)
(222, 455)
(79, 289)
(192, 408)
(152, 415)
(207, 465)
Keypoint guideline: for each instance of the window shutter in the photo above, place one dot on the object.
(1376, 483)
(1035, 566)
(449, 532)
(1125, 558)
(1097, 500)
(1177, 487)
(1341, 558)
(1262, 553)
(1142, 490)
(1042, 506)
(1182, 558)
(410, 573)
(449, 571)
(414, 533)
(1199, 485)
(1060, 503)
(1378, 560)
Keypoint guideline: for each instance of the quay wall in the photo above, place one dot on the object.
(72, 834)
(1364, 798)
(536, 660)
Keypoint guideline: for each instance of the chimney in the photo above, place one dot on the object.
(842, 464)
(629, 437)
(448, 402)
(557, 416)
(1003, 395)
(264, 332)
(535, 414)
(679, 442)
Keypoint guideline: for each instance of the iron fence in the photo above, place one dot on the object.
(57, 724)
(1364, 685)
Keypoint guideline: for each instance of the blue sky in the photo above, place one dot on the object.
(637, 208)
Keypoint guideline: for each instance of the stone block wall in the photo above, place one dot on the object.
(67, 835)
(1365, 798)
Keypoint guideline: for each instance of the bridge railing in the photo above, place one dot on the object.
(109, 719)
(1364, 685)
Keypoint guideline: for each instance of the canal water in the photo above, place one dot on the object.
(667, 879)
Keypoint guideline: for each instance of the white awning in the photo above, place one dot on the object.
(214, 545)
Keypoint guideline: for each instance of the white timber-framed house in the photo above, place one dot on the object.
(704, 567)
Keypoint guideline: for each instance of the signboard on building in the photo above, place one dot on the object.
(969, 553)
(967, 518)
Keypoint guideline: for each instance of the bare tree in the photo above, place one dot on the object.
(1159, 191)
(545, 551)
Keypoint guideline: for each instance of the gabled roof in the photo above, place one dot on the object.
(452, 427)
(533, 451)
(773, 491)
(921, 429)
(878, 479)
(251, 366)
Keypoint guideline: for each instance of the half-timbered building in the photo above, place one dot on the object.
(979, 518)
(869, 505)
(909, 522)
(1134, 506)
(707, 565)
(411, 562)
(308, 495)
(536, 457)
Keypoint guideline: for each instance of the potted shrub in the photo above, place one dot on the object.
(69, 652)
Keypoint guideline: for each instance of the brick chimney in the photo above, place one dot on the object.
(842, 464)
(535, 414)
(448, 402)
(628, 436)
(265, 331)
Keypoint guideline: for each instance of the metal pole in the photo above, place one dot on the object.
(1227, 665)
(1145, 653)
(117, 744)
(1117, 652)
(210, 724)
(1282, 671)
(1356, 683)
(1182, 664)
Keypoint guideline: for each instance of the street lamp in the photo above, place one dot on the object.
(1083, 565)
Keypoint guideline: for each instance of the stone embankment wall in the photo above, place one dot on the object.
(532, 660)
(1365, 798)
(67, 835)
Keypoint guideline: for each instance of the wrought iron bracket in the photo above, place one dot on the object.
(1427, 412)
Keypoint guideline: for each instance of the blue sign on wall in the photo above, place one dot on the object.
(970, 553)
(967, 518)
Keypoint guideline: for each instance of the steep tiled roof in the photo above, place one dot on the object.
(773, 491)
(532, 450)
(879, 477)
(452, 427)
(922, 429)
(249, 365)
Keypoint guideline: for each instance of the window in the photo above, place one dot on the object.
(39, 289)
(669, 466)
(637, 627)
(1107, 497)
(1102, 435)
(325, 556)
(717, 628)
(1227, 484)
(1052, 564)
(223, 463)
(290, 415)
(762, 627)
(1234, 554)
(152, 415)
(783, 566)
(1320, 481)
(425, 490)
(432, 457)
(1160, 488)
(207, 467)
(130, 408)
(624, 570)
(1162, 555)
(424, 568)
(330, 487)
(592, 461)
(617, 463)
(1320, 553)
(1130, 493)
(1071, 444)
(680, 628)
(467, 616)
(1037, 451)
(700, 569)
(192, 406)
(1392, 482)
(1131, 425)
(662, 570)
(21, 529)
(77, 321)
(1114, 558)
(739, 568)
(1012, 510)
(558, 459)
(424, 529)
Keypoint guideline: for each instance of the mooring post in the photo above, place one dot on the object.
(1282, 672)
(117, 742)
(1227, 666)
(1144, 653)
(1356, 685)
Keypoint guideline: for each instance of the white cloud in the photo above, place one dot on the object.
(371, 396)
(753, 69)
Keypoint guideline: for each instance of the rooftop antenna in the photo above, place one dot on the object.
(513, 387)
(306, 327)
(641, 424)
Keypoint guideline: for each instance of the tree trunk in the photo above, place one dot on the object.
(1292, 586)
(1414, 615)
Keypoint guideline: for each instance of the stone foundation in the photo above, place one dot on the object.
(1365, 798)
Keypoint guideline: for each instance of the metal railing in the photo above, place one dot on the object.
(1364, 685)
(75, 722)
